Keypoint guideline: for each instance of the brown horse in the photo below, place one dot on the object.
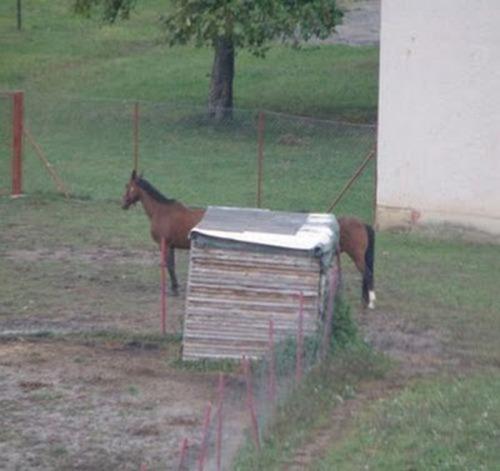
(169, 218)
(357, 240)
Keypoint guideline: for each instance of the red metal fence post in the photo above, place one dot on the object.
(300, 340)
(260, 156)
(163, 287)
(182, 459)
(204, 441)
(17, 142)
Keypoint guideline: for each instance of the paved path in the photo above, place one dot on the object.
(360, 26)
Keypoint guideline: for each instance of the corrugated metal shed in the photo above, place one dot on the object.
(248, 266)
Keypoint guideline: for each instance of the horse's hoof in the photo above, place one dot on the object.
(372, 299)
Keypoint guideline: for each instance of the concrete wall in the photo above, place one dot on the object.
(439, 118)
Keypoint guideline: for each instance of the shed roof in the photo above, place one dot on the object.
(300, 231)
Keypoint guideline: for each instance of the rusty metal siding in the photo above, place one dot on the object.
(232, 295)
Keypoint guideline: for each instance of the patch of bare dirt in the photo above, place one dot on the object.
(93, 298)
(32, 385)
(102, 404)
(418, 351)
(99, 254)
(291, 140)
(70, 406)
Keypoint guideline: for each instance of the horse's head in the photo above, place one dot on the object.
(131, 195)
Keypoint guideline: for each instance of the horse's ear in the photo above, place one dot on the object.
(134, 175)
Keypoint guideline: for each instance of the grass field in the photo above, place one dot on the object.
(60, 53)
(436, 407)
(90, 145)
(451, 423)
(84, 264)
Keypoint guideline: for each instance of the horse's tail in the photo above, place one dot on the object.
(368, 275)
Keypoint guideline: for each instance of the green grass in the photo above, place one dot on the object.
(81, 79)
(309, 406)
(60, 53)
(435, 285)
(52, 222)
(452, 421)
(305, 164)
(439, 425)
(447, 285)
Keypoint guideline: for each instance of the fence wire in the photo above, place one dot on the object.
(264, 387)
(90, 143)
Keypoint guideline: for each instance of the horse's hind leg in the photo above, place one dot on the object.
(171, 271)
(369, 271)
(368, 291)
(366, 283)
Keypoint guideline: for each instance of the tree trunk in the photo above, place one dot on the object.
(220, 104)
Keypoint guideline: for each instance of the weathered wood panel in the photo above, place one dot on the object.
(232, 295)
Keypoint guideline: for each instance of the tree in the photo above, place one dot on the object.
(229, 25)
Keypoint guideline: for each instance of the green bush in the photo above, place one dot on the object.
(344, 328)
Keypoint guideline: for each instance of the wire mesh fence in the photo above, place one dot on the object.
(265, 386)
(253, 159)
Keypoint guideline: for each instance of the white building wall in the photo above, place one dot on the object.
(439, 113)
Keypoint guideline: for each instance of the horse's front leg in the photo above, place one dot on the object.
(171, 271)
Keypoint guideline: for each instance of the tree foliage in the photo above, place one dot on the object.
(249, 24)
(229, 25)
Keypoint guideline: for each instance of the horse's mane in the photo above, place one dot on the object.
(153, 192)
